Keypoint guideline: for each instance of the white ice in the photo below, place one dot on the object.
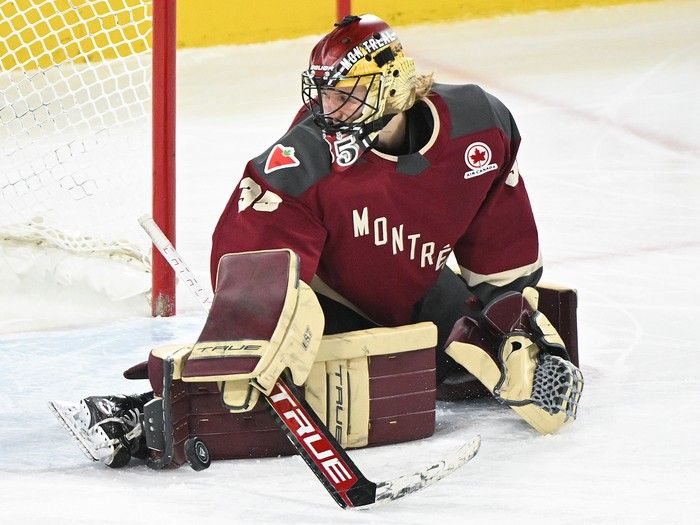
(608, 104)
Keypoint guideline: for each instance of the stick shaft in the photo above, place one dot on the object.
(182, 271)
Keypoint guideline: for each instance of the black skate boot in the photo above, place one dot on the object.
(108, 428)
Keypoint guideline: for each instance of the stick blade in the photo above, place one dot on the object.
(396, 488)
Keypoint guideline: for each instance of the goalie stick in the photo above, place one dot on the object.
(310, 437)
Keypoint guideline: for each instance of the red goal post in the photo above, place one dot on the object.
(164, 50)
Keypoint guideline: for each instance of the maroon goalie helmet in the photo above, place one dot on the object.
(358, 77)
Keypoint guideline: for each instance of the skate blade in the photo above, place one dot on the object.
(61, 413)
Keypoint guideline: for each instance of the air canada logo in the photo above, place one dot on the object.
(280, 157)
(478, 159)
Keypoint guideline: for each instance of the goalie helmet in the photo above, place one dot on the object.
(358, 77)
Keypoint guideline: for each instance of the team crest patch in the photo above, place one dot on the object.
(281, 157)
(478, 159)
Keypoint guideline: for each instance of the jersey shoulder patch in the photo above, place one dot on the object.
(297, 161)
(472, 110)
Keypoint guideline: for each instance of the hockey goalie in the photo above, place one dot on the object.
(329, 270)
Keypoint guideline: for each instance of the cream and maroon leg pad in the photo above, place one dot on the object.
(370, 387)
(264, 320)
(197, 410)
(376, 386)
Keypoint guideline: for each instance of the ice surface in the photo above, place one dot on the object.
(608, 103)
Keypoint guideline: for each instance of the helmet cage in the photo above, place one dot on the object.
(315, 89)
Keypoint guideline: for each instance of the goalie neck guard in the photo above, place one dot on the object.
(358, 78)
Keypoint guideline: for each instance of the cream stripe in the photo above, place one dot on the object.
(377, 341)
(501, 278)
(433, 137)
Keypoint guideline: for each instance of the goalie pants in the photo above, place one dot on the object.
(443, 305)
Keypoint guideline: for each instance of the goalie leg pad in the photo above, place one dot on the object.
(196, 410)
(377, 385)
(369, 387)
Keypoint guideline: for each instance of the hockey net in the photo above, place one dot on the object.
(75, 143)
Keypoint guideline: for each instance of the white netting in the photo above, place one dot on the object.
(557, 385)
(75, 102)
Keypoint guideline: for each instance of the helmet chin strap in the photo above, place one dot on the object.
(373, 128)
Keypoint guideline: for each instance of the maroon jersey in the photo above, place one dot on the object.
(379, 232)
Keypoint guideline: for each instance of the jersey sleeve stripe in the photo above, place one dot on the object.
(500, 279)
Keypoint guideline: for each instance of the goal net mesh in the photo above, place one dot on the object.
(75, 153)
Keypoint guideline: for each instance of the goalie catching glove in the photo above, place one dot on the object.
(518, 355)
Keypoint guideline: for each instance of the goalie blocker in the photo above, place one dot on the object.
(369, 387)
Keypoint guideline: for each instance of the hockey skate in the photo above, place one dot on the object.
(107, 428)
